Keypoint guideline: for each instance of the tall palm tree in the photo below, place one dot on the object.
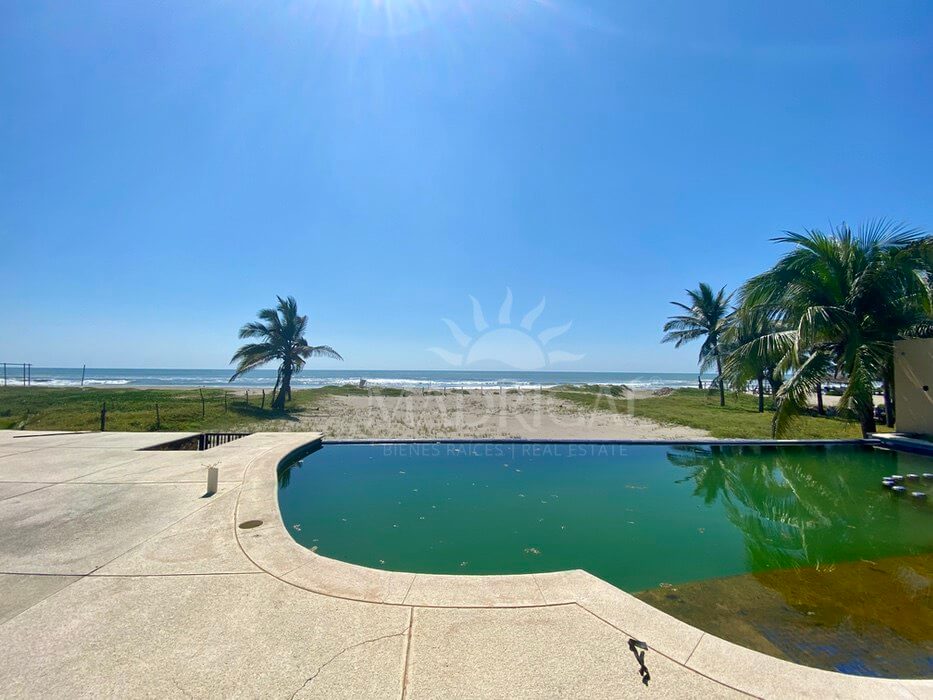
(705, 317)
(282, 334)
(845, 296)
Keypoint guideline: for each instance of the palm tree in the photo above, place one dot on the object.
(845, 297)
(282, 332)
(706, 317)
(747, 360)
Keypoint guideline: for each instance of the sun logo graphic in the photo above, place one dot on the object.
(505, 345)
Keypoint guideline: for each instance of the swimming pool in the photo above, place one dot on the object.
(789, 541)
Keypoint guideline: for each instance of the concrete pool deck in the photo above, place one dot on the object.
(118, 577)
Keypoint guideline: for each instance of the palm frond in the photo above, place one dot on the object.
(251, 356)
(679, 337)
(792, 397)
(254, 329)
(857, 397)
(323, 351)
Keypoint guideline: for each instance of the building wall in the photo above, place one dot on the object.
(913, 385)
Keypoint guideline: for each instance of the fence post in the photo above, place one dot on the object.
(247, 397)
(263, 399)
(103, 417)
(201, 392)
(158, 419)
(225, 402)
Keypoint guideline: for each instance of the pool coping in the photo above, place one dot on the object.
(272, 548)
(873, 441)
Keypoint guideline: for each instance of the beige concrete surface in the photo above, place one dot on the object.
(47, 464)
(913, 385)
(166, 596)
(77, 528)
(246, 635)
(8, 489)
(545, 652)
(19, 592)
(199, 543)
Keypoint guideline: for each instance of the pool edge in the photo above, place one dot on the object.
(272, 548)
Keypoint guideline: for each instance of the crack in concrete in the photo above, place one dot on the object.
(344, 651)
(407, 657)
(540, 592)
(695, 647)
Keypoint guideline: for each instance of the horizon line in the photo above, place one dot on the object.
(373, 369)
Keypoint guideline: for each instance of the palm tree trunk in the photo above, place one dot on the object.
(285, 390)
(888, 405)
(866, 417)
(819, 399)
(278, 379)
(722, 388)
(867, 421)
(774, 382)
(761, 393)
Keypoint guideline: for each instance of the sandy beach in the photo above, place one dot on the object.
(479, 415)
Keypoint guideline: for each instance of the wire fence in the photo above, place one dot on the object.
(10, 378)
(189, 409)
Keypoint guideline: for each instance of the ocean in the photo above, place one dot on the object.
(403, 379)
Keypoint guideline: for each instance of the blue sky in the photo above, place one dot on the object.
(167, 168)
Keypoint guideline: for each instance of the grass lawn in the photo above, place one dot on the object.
(39, 408)
(739, 418)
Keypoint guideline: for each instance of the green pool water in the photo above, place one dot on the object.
(797, 551)
(635, 515)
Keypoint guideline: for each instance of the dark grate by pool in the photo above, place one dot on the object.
(796, 551)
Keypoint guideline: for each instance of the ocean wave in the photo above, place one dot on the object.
(77, 382)
(427, 380)
(393, 383)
